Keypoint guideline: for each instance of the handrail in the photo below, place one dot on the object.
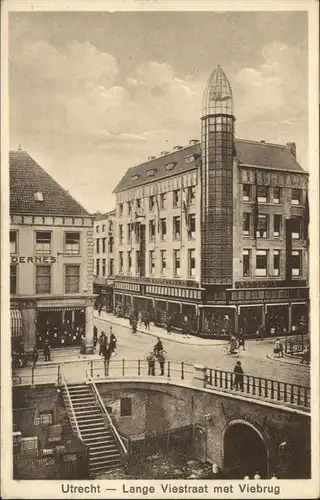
(112, 426)
(70, 402)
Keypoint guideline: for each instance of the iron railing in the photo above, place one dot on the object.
(69, 405)
(111, 424)
(295, 345)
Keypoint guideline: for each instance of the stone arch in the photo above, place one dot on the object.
(256, 449)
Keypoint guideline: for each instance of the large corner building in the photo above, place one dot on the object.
(51, 252)
(216, 231)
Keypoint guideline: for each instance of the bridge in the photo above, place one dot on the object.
(264, 423)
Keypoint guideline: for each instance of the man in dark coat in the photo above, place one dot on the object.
(162, 360)
(158, 347)
(238, 376)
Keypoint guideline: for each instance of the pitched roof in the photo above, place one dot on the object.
(28, 178)
(251, 153)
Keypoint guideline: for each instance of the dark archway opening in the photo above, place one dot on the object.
(245, 453)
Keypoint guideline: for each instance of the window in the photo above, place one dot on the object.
(163, 261)
(111, 267)
(191, 195)
(110, 227)
(111, 243)
(163, 197)
(129, 233)
(151, 262)
(176, 262)
(261, 263)
(246, 263)
(103, 228)
(104, 240)
(163, 229)
(98, 245)
(191, 226)
(43, 279)
(120, 234)
(13, 241)
(296, 228)
(43, 242)
(276, 195)
(246, 224)
(176, 198)
(13, 279)
(296, 197)
(72, 244)
(97, 267)
(137, 261)
(38, 196)
(104, 268)
(152, 202)
(45, 418)
(262, 226)
(262, 194)
(129, 261)
(129, 207)
(152, 229)
(72, 281)
(121, 209)
(191, 263)
(125, 407)
(276, 225)
(296, 263)
(97, 229)
(176, 228)
(121, 262)
(139, 203)
(246, 192)
(276, 262)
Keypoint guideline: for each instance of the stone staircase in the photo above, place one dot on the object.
(95, 432)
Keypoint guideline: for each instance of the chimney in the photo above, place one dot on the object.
(151, 157)
(193, 142)
(291, 146)
(263, 142)
(163, 153)
(176, 148)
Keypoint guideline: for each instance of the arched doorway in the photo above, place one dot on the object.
(245, 452)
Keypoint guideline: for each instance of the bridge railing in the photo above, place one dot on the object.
(246, 385)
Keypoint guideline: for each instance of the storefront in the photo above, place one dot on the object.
(251, 319)
(16, 329)
(277, 319)
(104, 294)
(218, 320)
(61, 326)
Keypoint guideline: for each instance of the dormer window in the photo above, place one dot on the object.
(189, 158)
(38, 196)
(150, 173)
(170, 166)
(135, 177)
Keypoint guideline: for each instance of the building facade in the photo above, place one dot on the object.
(104, 251)
(215, 234)
(51, 260)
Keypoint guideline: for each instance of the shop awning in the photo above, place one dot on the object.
(16, 323)
(50, 309)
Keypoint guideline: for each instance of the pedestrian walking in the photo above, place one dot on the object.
(46, 351)
(35, 357)
(169, 324)
(134, 325)
(102, 342)
(278, 349)
(113, 342)
(107, 354)
(140, 318)
(147, 320)
(151, 363)
(238, 376)
(99, 309)
(162, 360)
(305, 356)
(158, 347)
(241, 341)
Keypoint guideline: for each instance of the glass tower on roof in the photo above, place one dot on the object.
(217, 147)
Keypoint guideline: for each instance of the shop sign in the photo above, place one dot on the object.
(39, 259)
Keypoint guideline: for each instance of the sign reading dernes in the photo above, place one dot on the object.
(43, 259)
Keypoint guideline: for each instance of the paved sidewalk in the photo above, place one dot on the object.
(65, 354)
(156, 331)
(288, 360)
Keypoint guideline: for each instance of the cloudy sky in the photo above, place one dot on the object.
(92, 94)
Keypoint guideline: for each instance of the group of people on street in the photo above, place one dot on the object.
(158, 354)
(235, 343)
(20, 358)
(139, 317)
(107, 348)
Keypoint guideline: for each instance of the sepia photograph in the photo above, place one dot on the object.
(160, 279)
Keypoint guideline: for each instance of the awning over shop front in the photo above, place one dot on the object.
(47, 309)
(16, 323)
